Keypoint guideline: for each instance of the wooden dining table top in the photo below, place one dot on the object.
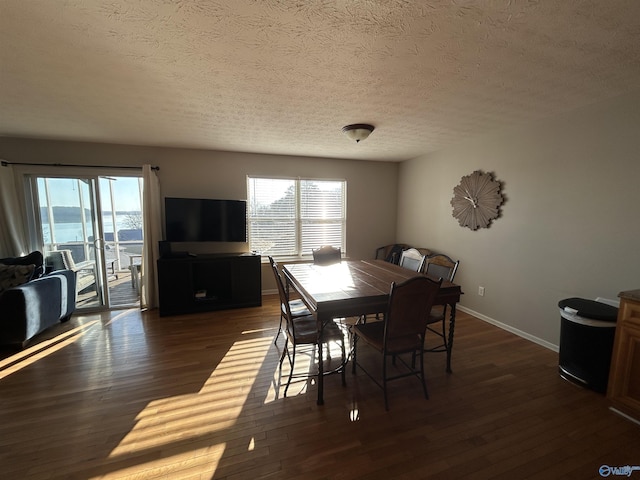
(354, 287)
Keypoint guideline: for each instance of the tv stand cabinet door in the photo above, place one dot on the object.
(175, 289)
(246, 281)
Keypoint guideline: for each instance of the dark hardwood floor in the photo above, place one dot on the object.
(133, 395)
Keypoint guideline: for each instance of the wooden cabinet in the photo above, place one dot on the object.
(209, 282)
(624, 378)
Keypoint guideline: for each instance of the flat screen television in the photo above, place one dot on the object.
(205, 220)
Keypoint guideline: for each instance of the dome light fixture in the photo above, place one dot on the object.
(358, 131)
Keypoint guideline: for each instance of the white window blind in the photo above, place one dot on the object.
(291, 217)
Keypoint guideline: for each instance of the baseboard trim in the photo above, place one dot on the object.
(622, 414)
(511, 329)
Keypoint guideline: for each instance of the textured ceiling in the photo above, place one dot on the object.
(284, 76)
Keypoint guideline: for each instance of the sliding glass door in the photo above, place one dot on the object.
(121, 214)
(92, 225)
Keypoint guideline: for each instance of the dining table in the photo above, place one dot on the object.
(352, 288)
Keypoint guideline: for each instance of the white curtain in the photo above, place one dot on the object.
(152, 231)
(13, 235)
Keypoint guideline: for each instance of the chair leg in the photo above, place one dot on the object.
(279, 330)
(444, 335)
(444, 328)
(344, 363)
(281, 361)
(354, 339)
(292, 362)
(384, 381)
(424, 383)
(284, 350)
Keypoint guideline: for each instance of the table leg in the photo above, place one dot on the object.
(320, 364)
(452, 324)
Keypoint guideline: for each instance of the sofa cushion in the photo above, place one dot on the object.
(14, 275)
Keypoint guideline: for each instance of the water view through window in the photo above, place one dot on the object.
(94, 226)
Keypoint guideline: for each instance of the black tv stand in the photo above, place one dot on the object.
(209, 282)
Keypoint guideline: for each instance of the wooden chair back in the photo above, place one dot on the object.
(327, 255)
(412, 259)
(407, 314)
(391, 253)
(284, 303)
(441, 266)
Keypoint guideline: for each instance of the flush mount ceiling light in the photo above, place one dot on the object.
(358, 131)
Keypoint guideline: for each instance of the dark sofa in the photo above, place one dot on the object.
(41, 302)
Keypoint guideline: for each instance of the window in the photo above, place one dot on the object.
(291, 217)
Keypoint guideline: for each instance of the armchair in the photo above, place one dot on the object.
(63, 260)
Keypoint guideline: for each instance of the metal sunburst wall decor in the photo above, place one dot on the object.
(476, 200)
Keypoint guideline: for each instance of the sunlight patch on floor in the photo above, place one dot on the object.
(189, 424)
(121, 314)
(305, 371)
(32, 354)
(178, 465)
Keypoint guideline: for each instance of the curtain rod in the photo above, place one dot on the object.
(6, 164)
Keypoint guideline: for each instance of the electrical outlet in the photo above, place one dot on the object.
(481, 291)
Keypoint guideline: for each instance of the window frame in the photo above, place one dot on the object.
(299, 221)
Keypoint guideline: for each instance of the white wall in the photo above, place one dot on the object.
(371, 186)
(570, 225)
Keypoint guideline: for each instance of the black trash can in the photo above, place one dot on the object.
(587, 330)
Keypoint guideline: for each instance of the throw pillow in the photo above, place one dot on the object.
(34, 257)
(14, 275)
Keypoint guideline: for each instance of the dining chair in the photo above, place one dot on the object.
(440, 266)
(297, 308)
(303, 331)
(327, 255)
(391, 253)
(401, 332)
(412, 259)
(407, 257)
